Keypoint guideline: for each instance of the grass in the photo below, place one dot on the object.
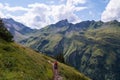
(20, 63)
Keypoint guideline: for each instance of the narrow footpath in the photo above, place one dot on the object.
(56, 75)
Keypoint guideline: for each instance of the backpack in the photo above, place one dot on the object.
(56, 65)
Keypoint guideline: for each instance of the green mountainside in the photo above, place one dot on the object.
(91, 47)
(21, 63)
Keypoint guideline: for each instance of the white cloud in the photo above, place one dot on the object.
(38, 15)
(5, 10)
(112, 11)
(67, 11)
(75, 2)
(13, 9)
(1, 14)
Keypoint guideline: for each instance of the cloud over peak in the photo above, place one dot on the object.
(112, 11)
(37, 15)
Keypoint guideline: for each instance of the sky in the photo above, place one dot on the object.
(40, 13)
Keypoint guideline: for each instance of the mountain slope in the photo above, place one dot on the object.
(18, 30)
(91, 47)
(20, 63)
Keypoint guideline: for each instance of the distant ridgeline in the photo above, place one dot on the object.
(17, 29)
(91, 47)
(4, 33)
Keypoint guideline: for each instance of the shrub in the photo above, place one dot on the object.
(4, 33)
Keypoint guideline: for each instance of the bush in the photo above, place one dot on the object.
(4, 33)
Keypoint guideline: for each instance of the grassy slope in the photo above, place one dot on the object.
(20, 63)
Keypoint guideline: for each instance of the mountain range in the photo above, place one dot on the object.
(92, 47)
(21, 63)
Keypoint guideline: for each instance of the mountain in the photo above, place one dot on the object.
(18, 30)
(92, 47)
(21, 63)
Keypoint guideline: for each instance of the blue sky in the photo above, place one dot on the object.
(39, 13)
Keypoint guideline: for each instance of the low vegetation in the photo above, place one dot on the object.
(20, 63)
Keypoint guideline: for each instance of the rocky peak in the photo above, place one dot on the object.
(62, 23)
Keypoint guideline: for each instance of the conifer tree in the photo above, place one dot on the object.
(4, 33)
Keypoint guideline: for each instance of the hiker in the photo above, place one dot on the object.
(55, 69)
(55, 66)
(56, 75)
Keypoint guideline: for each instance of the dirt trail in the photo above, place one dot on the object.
(56, 75)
